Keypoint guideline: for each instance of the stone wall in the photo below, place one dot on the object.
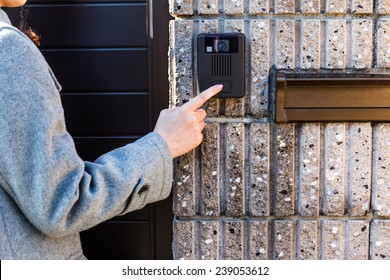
(260, 190)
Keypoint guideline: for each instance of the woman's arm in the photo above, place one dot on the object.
(39, 166)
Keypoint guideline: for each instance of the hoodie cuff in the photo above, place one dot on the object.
(165, 165)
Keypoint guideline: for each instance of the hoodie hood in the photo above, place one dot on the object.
(4, 17)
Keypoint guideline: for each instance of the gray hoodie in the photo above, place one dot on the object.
(47, 193)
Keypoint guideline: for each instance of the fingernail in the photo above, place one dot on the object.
(219, 86)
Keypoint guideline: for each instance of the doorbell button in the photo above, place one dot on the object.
(227, 86)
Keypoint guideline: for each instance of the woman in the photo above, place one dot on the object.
(47, 193)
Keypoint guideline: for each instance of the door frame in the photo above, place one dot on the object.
(158, 35)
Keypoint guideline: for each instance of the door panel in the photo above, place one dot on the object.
(116, 241)
(97, 70)
(106, 114)
(90, 25)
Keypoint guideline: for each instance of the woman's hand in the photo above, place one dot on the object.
(182, 127)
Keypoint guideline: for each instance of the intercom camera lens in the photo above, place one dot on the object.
(221, 46)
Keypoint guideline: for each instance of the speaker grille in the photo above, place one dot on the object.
(221, 65)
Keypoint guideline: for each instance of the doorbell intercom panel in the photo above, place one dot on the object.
(221, 60)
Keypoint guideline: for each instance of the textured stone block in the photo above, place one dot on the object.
(181, 7)
(208, 240)
(234, 240)
(234, 7)
(259, 7)
(212, 106)
(184, 186)
(383, 43)
(183, 240)
(208, 26)
(234, 25)
(362, 44)
(334, 197)
(259, 190)
(310, 44)
(362, 6)
(181, 63)
(307, 235)
(234, 170)
(258, 239)
(380, 236)
(336, 6)
(284, 6)
(284, 168)
(310, 6)
(259, 97)
(209, 188)
(336, 44)
(208, 7)
(359, 168)
(358, 243)
(309, 166)
(234, 106)
(285, 44)
(260, 64)
(181, 73)
(332, 237)
(383, 6)
(283, 240)
(381, 167)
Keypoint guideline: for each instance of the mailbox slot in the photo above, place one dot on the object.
(332, 97)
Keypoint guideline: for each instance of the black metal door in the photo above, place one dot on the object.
(111, 60)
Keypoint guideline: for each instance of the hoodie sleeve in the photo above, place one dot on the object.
(40, 169)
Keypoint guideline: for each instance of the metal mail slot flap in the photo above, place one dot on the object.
(332, 97)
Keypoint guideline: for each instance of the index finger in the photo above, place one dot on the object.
(199, 100)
